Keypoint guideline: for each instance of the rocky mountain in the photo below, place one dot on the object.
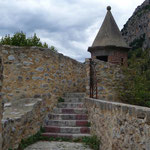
(137, 29)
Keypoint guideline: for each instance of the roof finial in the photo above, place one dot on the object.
(108, 8)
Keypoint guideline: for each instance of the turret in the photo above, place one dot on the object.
(109, 44)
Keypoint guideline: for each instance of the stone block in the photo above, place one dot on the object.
(37, 96)
(11, 57)
(40, 69)
(5, 51)
(147, 118)
(110, 107)
(37, 78)
(125, 109)
(100, 88)
(141, 114)
(20, 78)
(27, 63)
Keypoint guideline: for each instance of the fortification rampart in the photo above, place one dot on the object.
(119, 126)
(37, 72)
(31, 73)
(34, 78)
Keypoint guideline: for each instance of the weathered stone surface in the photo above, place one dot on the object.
(37, 70)
(37, 78)
(21, 119)
(40, 69)
(5, 51)
(117, 127)
(26, 63)
(57, 146)
(11, 57)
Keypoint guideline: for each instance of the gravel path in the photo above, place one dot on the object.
(57, 146)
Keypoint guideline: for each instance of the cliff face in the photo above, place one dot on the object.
(137, 29)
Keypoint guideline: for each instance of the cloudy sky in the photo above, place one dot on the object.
(69, 25)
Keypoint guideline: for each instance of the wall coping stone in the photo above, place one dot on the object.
(34, 48)
(133, 110)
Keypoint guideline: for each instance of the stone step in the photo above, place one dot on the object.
(68, 123)
(73, 130)
(73, 100)
(64, 135)
(70, 105)
(70, 111)
(68, 116)
(75, 95)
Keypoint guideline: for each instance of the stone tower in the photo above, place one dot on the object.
(109, 44)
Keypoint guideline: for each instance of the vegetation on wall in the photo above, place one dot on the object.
(137, 43)
(142, 10)
(91, 141)
(60, 100)
(137, 79)
(20, 39)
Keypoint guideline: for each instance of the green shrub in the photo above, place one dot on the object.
(60, 100)
(142, 10)
(31, 140)
(137, 43)
(20, 39)
(89, 124)
(93, 142)
(136, 81)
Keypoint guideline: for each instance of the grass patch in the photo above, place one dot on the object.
(31, 140)
(60, 100)
(93, 142)
(88, 124)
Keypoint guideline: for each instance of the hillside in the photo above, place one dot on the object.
(137, 29)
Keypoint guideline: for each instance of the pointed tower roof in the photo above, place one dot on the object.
(109, 33)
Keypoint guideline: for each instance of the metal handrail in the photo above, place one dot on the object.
(93, 80)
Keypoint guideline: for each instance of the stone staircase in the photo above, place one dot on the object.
(69, 119)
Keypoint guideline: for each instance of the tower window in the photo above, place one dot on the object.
(102, 58)
(122, 61)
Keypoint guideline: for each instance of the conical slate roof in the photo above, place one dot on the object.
(109, 33)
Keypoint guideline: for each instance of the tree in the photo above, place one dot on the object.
(53, 48)
(20, 39)
(137, 79)
(35, 41)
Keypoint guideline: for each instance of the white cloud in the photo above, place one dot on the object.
(69, 25)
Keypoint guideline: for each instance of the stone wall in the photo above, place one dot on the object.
(119, 126)
(31, 73)
(38, 72)
(108, 77)
(21, 119)
(1, 105)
